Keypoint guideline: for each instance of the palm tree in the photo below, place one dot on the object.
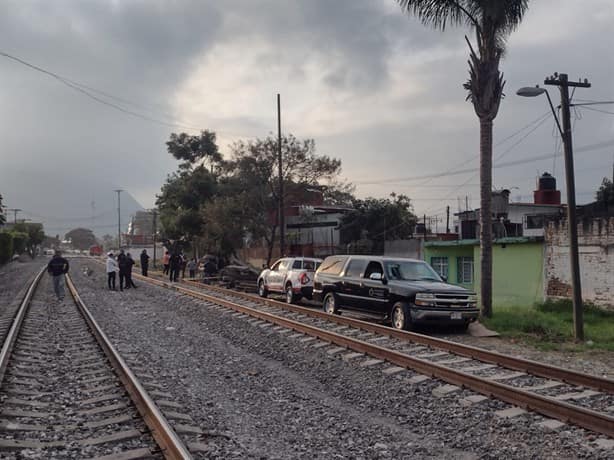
(492, 21)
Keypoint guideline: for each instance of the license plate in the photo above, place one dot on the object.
(456, 315)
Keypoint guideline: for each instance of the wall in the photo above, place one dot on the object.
(518, 271)
(518, 274)
(451, 250)
(596, 252)
(404, 248)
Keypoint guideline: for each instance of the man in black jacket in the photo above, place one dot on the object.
(174, 266)
(144, 262)
(57, 268)
(122, 262)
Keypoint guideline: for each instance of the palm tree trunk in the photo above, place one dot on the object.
(485, 216)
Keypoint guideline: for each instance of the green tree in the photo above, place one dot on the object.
(192, 150)
(2, 216)
(6, 247)
(492, 21)
(36, 235)
(378, 220)
(180, 202)
(254, 168)
(605, 194)
(81, 238)
(20, 241)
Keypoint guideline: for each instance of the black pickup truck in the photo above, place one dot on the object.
(406, 291)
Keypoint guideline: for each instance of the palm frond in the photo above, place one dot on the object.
(440, 13)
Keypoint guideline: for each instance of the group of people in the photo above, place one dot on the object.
(123, 266)
(177, 262)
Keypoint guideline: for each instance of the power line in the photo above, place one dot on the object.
(531, 159)
(598, 110)
(81, 88)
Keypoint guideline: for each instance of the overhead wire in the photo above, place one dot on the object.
(88, 90)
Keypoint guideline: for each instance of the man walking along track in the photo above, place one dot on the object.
(57, 268)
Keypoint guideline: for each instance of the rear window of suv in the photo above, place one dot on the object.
(332, 265)
(355, 268)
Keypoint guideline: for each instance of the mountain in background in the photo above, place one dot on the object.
(67, 202)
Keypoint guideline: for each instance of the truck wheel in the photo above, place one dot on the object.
(262, 290)
(400, 316)
(290, 297)
(330, 303)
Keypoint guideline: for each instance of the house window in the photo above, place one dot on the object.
(465, 270)
(535, 221)
(440, 264)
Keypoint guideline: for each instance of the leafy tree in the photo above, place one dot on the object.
(20, 240)
(2, 216)
(378, 220)
(605, 194)
(81, 238)
(492, 21)
(36, 235)
(254, 168)
(6, 247)
(194, 149)
(180, 201)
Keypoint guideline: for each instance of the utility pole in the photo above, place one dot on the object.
(15, 211)
(561, 80)
(282, 232)
(154, 237)
(447, 219)
(425, 227)
(119, 219)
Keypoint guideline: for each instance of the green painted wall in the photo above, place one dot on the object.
(452, 253)
(517, 270)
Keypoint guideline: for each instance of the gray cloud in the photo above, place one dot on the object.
(374, 86)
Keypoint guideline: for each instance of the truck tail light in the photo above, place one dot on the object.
(304, 278)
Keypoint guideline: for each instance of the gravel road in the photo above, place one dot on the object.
(262, 393)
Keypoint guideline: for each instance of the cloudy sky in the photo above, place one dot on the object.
(371, 85)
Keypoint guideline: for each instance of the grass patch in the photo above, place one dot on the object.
(549, 326)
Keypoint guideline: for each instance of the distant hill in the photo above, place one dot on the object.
(62, 204)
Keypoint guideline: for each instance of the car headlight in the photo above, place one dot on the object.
(425, 299)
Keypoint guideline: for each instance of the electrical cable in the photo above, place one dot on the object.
(85, 90)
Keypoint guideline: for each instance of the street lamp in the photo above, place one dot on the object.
(563, 83)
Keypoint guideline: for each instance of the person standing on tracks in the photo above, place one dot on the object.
(123, 265)
(174, 266)
(166, 262)
(184, 263)
(111, 269)
(144, 262)
(129, 264)
(192, 265)
(57, 268)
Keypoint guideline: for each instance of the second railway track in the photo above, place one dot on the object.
(571, 397)
(66, 393)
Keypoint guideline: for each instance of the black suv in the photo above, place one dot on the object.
(407, 291)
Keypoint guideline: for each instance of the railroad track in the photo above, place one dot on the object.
(568, 396)
(66, 393)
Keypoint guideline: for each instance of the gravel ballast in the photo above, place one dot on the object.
(263, 393)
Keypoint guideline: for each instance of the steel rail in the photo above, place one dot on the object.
(11, 337)
(493, 357)
(545, 405)
(172, 446)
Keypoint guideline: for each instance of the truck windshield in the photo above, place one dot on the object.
(410, 271)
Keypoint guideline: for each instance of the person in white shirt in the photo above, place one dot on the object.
(112, 267)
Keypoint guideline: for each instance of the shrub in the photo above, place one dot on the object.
(6, 247)
(20, 241)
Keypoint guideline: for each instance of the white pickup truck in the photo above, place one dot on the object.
(292, 276)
